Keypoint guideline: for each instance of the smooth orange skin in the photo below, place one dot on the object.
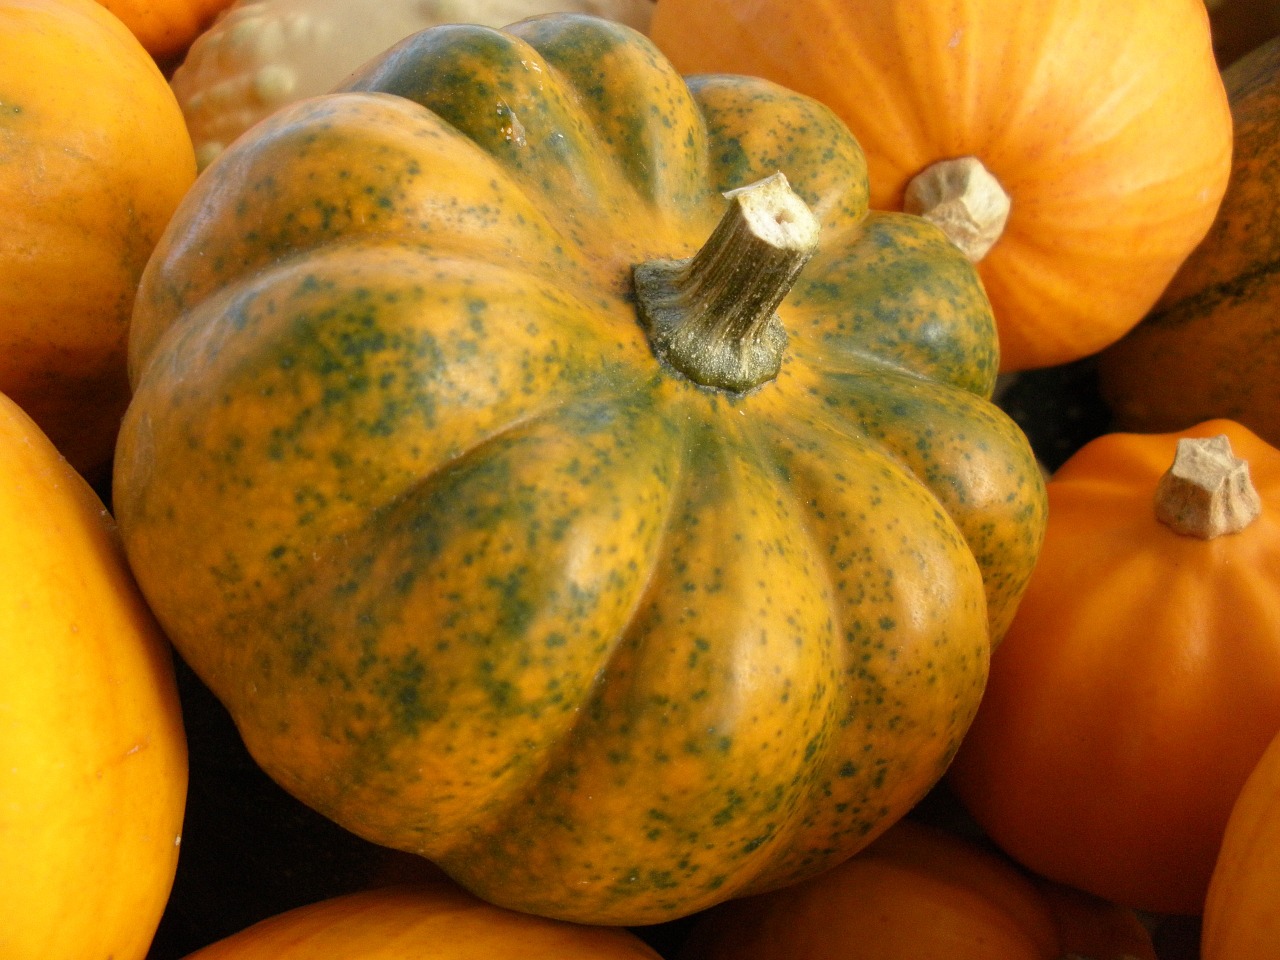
(920, 893)
(93, 761)
(1138, 685)
(1106, 123)
(1242, 911)
(1208, 348)
(166, 27)
(94, 157)
(425, 921)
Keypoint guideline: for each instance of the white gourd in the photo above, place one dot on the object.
(262, 54)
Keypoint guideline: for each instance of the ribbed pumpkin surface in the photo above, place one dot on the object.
(480, 577)
(1208, 349)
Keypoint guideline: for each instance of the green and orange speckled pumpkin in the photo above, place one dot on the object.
(481, 577)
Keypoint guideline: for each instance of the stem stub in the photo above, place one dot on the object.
(1207, 492)
(712, 316)
(962, 198)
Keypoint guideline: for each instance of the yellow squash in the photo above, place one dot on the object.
(93, 763)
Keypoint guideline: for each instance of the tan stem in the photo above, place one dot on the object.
(712, 316)
(963, 198)
(1207, 492)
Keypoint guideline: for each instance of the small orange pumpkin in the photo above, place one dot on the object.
(94, 157)
(1140, 679)
(1242, 911)
(1104, 124)
(1208, 348)
(93, 763)
(427, 921)
(920, 893)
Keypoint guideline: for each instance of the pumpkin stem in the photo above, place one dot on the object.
(711, 316)
(1207, 492)
(963, 198)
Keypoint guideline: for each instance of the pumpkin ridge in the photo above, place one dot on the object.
(392, 577)
(950, 336)
(603, 66)
(416, 178)
(495, 89)
(630, 667)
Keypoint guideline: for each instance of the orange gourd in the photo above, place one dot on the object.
(93, 765)
(920, 893)
(1208, 348)
(1242, 911)
(94, 157)
(166, 27)
(1140, 679)
(1105, 124)
(428, 921)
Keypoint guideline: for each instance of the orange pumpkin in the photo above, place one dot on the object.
(93, 766)
(94, 156)
(1208, 348)
(1105, 124)
(166, 27)
(1242, 911)
(1140, 679)
(428, 921)
(920, 893)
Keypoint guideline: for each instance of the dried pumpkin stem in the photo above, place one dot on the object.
(712, 316)
(965, 200)
(1207, 492)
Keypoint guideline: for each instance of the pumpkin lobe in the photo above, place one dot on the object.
(712, 316)
(1207, 492)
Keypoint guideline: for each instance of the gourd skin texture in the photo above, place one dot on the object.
(919, 893)
(427, 922)
(1119, 724)
(1106, 123)
(1242, 910)
(481, 578)
(93, 763)
(1208, 348)
(89, 183)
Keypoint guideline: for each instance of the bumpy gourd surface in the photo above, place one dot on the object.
(481, 578)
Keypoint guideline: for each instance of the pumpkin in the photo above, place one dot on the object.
(1140, 679)
(1084, 146)
(426, 921)
(1242, 910)
(88, 184)
(92, 753)
(1207, 350)
(265, 53)
(166, 27)
(613, 610)
(920, 893)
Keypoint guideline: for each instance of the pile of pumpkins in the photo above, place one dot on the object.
(563, 450)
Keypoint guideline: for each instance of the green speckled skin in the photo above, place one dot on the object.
(480, 578)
